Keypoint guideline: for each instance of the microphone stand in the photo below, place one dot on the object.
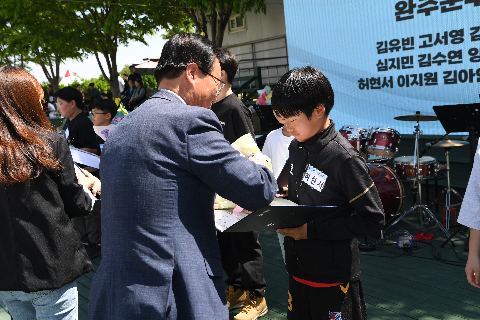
(431, 144)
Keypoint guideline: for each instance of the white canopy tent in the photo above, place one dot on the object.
(69, 78)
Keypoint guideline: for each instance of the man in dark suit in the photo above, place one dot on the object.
(161, 167)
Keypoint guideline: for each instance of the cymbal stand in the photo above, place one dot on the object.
(448, 190)
(422, 209)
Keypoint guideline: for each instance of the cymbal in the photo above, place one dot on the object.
(416, 117)
(450, 143)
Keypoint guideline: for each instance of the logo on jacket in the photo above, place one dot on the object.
(335, 315)
(315, 178)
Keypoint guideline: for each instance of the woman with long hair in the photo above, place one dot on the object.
(40, 253)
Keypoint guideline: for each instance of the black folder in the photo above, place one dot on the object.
(275, 217)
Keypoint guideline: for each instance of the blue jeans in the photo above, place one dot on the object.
(54, 304)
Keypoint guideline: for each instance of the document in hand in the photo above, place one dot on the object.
(95, 201)
(86, 158)
(281, 213)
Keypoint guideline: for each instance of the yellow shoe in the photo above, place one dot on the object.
(254, 308)
(235, 298)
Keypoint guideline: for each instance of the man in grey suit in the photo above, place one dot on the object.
(161, 167)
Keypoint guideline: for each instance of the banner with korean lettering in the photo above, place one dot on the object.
(389, 58)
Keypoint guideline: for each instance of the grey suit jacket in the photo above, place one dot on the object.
(160, 169)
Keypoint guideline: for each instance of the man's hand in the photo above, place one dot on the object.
(298, 233)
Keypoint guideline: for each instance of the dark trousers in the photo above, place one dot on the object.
(345, 301)
(242, 261)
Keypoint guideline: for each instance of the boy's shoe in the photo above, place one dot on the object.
(235, 298)
(254, 308)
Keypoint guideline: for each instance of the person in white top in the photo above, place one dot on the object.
(121, 83)
(470, 216)
(276, 148)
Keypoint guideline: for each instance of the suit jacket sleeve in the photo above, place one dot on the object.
(222, 168)
(363, 197)
(76, 202)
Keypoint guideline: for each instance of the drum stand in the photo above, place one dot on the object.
(448, 189)
(422, 209)
(448, 204)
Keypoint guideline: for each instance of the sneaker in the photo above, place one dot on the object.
(235, 298)
(254, 308)
(93, 251)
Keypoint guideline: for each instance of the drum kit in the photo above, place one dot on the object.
(378, 146)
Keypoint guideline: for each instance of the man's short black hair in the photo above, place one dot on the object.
(302, 90)
(132, 66)
(125, 75)
(139, 80)
(106, 105)
(68, 94)
(228, 63)
(91, 84)
(183, 49)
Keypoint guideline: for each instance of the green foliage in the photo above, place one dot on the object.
(150, 82)
(49, 31)
(185, 26)
(101, 84)
(216, 13)
(32, 34)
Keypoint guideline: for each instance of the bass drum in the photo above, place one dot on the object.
(390, 190)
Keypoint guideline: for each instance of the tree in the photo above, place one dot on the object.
(34, 37)
(105, 25)
(217, 14)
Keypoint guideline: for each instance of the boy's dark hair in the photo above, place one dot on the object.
(139, 80)
(91, 84)
(183, 49)
(126, 75)
(228, 63)
(106, 105)
(302, 90)
(68, 94)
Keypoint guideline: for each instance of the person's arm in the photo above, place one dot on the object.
(472, 269)
(470, 216)
(76, 202)
(234, 177)
(242, 123)
(363, 198)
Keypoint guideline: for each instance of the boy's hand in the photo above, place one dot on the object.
(298, 233)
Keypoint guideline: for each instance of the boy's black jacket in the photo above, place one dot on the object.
(330, 254)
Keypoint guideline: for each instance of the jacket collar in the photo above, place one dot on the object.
(320, 140)
(168, 95)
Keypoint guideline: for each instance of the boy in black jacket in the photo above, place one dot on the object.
(322, 256)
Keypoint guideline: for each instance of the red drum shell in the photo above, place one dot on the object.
(382, 141)
(404, 166)
(357, 143)
(390, 190)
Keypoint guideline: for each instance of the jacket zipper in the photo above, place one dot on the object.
(298, 182)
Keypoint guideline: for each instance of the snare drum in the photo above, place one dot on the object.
(357, 136)
(377, 160)
(390, 190)
(382, 142)
(404, 166)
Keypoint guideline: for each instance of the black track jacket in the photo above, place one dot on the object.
(327, 171)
